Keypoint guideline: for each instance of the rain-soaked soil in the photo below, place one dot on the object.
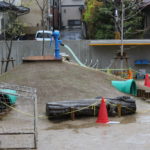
(62, 81)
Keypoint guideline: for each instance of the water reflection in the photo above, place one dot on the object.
(129, 119)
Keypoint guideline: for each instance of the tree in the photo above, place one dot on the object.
(103, 18)
(13, 28)
(43, 8)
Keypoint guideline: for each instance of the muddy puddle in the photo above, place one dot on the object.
(91, 122)
(71, 126)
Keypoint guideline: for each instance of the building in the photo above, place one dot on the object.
(66, 13)
(146, 10)
(33, 20)
(146, 7)
(71, 13)
(10, 10)
(56, 14)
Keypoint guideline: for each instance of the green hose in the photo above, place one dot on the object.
(75, 57)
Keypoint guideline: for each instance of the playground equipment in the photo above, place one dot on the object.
(56, 36)
(128, 86)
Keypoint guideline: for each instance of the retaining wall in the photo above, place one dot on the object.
(84, 52)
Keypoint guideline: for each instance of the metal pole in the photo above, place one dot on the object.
(53, 14)
(59, 14)
(122, 26)
(35, 122)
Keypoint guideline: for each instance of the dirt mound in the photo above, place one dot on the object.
(61, 81)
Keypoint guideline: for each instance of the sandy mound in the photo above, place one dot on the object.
(61, 81)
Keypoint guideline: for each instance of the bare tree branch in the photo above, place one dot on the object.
(45, 3)
(39, 5)
(137, 12)
(42, 8)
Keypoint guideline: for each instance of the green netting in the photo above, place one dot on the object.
(128, 86)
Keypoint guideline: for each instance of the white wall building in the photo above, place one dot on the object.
(33, 20)
(71, 12)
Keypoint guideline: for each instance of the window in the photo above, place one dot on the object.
(46, 35)
(74, 22)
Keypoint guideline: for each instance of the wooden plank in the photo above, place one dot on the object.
(40, 58)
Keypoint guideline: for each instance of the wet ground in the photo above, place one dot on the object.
(133, 132)
(64, 82)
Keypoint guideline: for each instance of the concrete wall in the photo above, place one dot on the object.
(104, 54)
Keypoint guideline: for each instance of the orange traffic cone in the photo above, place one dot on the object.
(130, 74)
(147, 80)
(102, 114)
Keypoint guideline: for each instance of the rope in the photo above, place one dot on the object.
(17, 110)
(30, 115)
(93, 106)
(108, 71)
(81, 108)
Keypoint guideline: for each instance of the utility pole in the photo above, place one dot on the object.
(53, 15)
(59, 9)
(122, 26)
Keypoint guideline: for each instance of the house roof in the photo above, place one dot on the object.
(145, 4)
(4, 6)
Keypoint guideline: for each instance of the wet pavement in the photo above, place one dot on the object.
(133, 132)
